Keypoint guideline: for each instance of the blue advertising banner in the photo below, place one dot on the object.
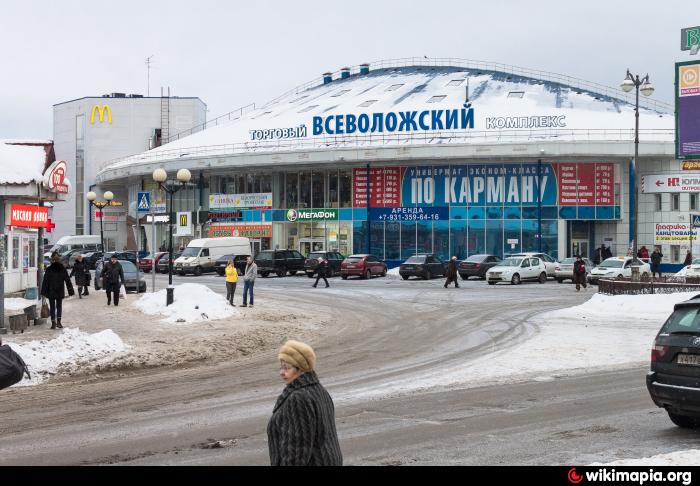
(410, 214)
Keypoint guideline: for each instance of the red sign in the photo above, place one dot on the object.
(29, 216)
(50, 226)
(384, 185)
(582, 184)
(242, 230)
(55, 177)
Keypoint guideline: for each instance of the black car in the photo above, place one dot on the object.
(239, 261)
(674, 378)
(477, 266)
(425, 266)
(129, 256)
(162, 265)
(334, 260)
(91, 258)
(279, 262)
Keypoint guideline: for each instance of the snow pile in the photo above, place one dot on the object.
(193, 303)
(19, 304)
(680, 458)
(21, 164)
(393, 274)
(71, 351)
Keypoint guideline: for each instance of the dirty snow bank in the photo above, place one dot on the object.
(680, 458)
(19, 304)
(73, 350)
(193, 303)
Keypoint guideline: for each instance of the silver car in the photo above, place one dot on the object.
(565, 269)
(130, 276)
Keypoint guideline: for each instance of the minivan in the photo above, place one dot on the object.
(200, 255)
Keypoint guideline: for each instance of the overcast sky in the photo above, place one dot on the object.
(233, 53)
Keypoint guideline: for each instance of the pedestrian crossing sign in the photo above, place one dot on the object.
(695, 220)
(144, 202)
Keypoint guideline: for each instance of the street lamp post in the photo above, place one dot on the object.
(109, 197)
(183, 178)
(634, 82)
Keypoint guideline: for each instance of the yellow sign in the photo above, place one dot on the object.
(101, 111)
(691, 165)
(183, 220)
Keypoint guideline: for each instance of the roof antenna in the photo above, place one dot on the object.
(148, 71)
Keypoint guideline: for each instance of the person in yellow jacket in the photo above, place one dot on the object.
(231, 280)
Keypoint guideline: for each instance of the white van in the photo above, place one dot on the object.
(75, 242)
(200, 255)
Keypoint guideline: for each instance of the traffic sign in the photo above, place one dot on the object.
(695, 219)
(144, 202)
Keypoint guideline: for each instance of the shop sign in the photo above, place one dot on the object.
(225, 216)
(294, 215)
(673, 233)
(184, 224)
(688, 110)
(671, 183)
(690, 165)
(586, 184)
(261, 200)
(243, 230)
(55, 177)
(24, 216)
(410, 214)
(690, 36)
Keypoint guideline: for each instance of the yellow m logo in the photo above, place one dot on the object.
(101, 110)
(183, 220)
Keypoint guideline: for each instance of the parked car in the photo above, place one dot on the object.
(147, 261)
(334, 260)
(201, 255)
(516, 269)
(565, 269)
(364, 266)
(477, 266)
(549, 262)
(279, 262)
(674, 378)
(162, 265)
(130, 276)
(691, 271)
(425, 266)
(68, 257)
(91, 258)
(617, 267)
(239, 261)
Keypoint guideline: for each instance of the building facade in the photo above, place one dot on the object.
(415, 156)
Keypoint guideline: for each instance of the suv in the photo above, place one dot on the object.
(279, 262)
(674, 378)
(239, 261)
(334, 260)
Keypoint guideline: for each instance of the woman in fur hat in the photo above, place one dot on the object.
(301, 431)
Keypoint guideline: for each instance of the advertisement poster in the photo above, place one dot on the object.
(688, 110)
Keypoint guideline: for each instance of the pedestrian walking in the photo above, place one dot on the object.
(688, 258)
(301, 431)
(251, 271)
(452, 273)
(580, 273)
(656, 258)
(52, 287)
(82, 276)
(322, 271)
(112, 279)
(231, 281)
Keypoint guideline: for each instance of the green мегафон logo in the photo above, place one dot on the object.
(292, 215)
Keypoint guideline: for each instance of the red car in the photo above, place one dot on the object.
(146, 264)
(364, 266)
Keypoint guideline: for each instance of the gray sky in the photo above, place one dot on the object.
(233, 53)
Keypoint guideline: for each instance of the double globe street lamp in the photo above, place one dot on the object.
(644, 85)
(171, 187)
(108, 198)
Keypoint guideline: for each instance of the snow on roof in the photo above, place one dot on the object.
(494, 95)
(21, 164)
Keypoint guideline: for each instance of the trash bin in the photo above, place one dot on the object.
(18, 323)
(31, 313)
(32, 293)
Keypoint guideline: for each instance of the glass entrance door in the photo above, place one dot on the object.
(579, 247)
(255, 246)
(309, 245)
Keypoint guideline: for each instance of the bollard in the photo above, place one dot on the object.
(171, 295)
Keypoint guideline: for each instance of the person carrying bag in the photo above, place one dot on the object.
(12, 367)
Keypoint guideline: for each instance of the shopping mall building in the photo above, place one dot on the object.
(399, 157)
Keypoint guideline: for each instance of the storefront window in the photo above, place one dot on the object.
(305, 189)
(265, 183)
(318, 189)
(292, 190)
(346, 188)
(441, 239)
(425, 237)
(359, 239)
(408, 239)
(332, 189)
(377, 239)
(512, 239)
(15, 252)
(392, 238)
(476, 242)
(494, 237)
(32, 253)
(458, 238)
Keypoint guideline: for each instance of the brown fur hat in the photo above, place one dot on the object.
(299, 355)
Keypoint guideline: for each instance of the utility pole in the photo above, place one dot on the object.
(148, 74)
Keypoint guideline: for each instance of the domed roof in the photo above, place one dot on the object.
(508, 104)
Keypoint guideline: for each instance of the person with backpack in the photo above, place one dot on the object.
(52, 288)
(580, 273)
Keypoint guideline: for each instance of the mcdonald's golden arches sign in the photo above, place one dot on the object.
(184, 224)
(101, 111)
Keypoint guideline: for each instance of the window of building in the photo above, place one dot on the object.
(340, 93)
(332, 201)
(456, 82)
(693, 202)
(15, 252)
(657, 202)
(345, 188)
(675, 202)
(32, 253)
(292, 190)
(675, 253)
(308, 108)
(394, 87)
(79, 174)
(265, 183)
(516, 94)
(437, 98)
(318, 189)
(368, 103)
(305, 189)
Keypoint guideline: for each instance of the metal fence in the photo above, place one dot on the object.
(665, 285)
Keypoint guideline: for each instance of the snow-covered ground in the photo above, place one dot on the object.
(71, 351)
(19, 304)
(193, 303)
(680, 458)
(604, 332)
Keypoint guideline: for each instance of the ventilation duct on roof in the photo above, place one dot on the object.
(364, 68)
(345, 73)
(327, 78)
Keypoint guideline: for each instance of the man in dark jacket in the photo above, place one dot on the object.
(301, 431)
(322, 271)
(112, 279)
(579, 273)
(452, 273)
(656, 258)
(82, 276)
(52, 288)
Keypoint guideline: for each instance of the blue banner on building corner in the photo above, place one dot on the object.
(410, 214)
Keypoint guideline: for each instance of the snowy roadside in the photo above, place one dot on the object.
(603, 333)
(195, 303)
(679, 458)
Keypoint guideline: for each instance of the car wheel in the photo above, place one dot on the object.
(543, 278)
(620, 276)
(197, 271)
(281, 273)
(560, 280)
(492, 283)
(344, 277)
(310, 275)
(515, 280)
(427, 275)
(220, 273)
(182, 274)
(264, 274)
(405, 277)
(367, 276)
(384, 273)
(292, 273)
(685, 421)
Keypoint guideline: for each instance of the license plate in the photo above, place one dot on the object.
(689, 359)
(351, 266)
